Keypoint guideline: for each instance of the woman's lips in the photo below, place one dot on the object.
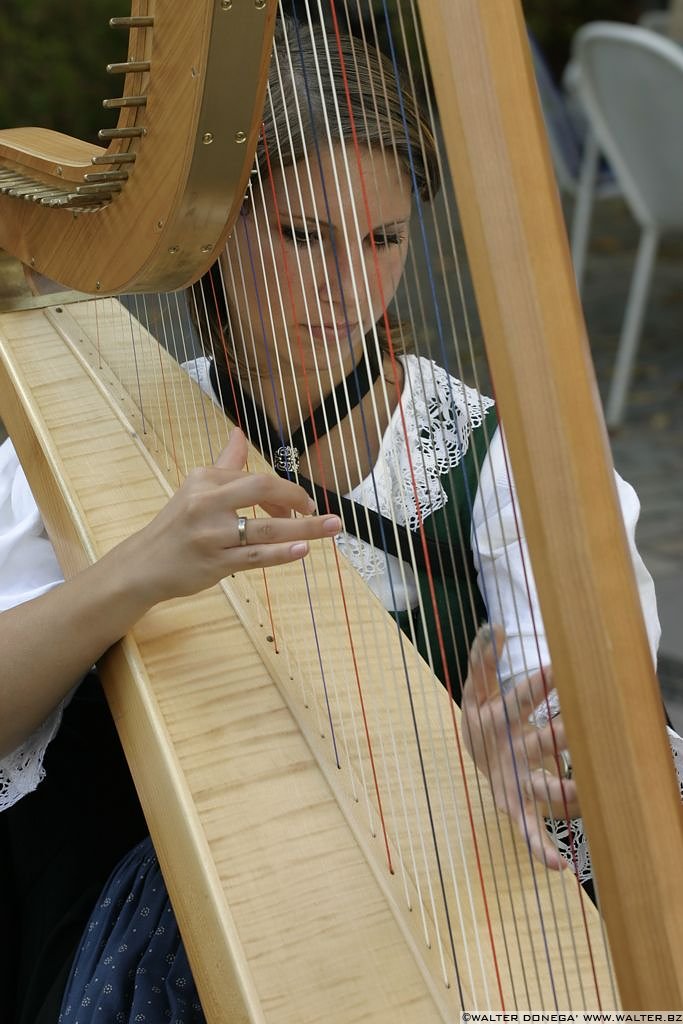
(332, 330)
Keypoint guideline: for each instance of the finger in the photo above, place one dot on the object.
(482, 680)
(533, 830)
(234, 455)
(260, 531)
(552, 738)
(258, 556)
(269, 492)
(530, 691)
(555, 797)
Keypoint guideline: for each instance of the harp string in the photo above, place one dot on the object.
(272, 376)
(411, 467)
(444, 352)
(421, 219)
(188, 459)
(298, 341)
(475, 375)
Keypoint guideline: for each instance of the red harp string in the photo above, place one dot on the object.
(308, 399)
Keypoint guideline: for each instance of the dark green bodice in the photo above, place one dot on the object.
(453, 603)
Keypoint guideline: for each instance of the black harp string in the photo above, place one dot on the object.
(528, 577)
(169, 341)
(474, 371)
(420, 302)
(444, 360)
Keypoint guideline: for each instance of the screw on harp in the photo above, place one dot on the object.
(101, 188)
(106, 176)
(124, 101)
(132, 22)
(128, 67)
(121, 133)
(113, 158)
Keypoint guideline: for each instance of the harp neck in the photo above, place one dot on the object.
(154, 211)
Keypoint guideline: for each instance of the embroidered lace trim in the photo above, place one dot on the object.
(437, 417)
(22, 771)
(570, 836)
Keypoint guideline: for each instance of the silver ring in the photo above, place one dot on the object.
(242, 530)
(565, 765)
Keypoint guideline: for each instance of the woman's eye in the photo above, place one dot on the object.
(383, 239)
(297, 235)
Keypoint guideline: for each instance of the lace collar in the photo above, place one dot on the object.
(439, 412)
(436, 417)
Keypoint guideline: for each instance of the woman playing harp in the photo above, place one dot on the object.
(308, 275)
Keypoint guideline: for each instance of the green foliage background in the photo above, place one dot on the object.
(53, 53)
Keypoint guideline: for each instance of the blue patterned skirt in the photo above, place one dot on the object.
(131, 967)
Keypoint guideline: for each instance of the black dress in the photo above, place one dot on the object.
(76, 864)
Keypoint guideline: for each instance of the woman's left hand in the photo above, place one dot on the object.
(523, 762)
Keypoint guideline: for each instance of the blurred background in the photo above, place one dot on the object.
(54, 53)
(52, 74)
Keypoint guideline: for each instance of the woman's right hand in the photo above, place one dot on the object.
(191, 544)
(194, 541)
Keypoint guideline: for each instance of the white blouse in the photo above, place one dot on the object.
(440, 413)
(28, 568)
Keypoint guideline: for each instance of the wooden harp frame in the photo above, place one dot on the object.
(540, 363)
(154, 207)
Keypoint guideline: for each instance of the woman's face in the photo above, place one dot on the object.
(313, 264)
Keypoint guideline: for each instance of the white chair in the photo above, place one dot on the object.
(630, 81)
(581, 172)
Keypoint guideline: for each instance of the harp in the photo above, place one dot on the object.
(295, 901)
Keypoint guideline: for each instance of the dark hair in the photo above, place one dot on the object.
(320, 87)
(311, 98)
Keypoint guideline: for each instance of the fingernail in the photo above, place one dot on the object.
(484, 636)
(312, 507)
(332, 525)
(299, 549)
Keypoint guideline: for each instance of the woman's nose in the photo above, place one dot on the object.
(341, 274)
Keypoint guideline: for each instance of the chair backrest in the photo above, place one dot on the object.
(564, 136)
(566, 128)
(631, 83)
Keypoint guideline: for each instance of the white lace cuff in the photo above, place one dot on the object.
(22, 770)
